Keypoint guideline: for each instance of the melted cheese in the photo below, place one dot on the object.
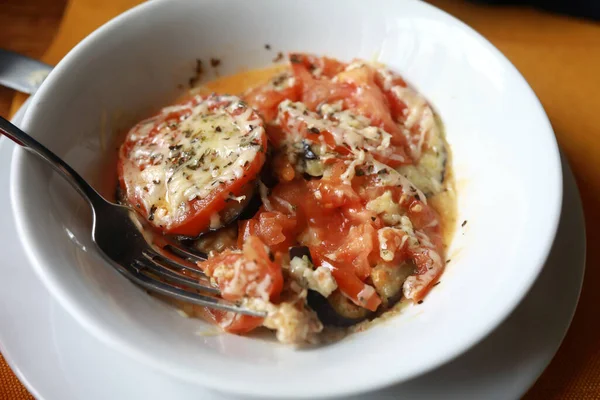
(391, 177)
(319, 279)
(366, 292)
(418, 122)
(349, 130)
(432, 267)
(173, 163)
(292, 322)
(282, 81)
(384, 249)
(241, 278)
(384, 205)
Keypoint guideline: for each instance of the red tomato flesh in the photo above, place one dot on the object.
(177, 152)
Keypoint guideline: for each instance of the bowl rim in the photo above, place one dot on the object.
(113, 339)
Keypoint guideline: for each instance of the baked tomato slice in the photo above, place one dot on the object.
(343, 131)
(191, 167)
(246, 273)
(265, 98)
(233, 322)
(318, 67)
(350, 285)
(275, 229)
(315, 91)
(355, 250)
(411, 110)
(370, 101)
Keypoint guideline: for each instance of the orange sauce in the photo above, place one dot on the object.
(240, 82)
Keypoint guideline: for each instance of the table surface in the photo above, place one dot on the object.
(560, 58)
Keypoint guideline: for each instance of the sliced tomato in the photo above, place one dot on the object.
(227, 258)
(186, 150)
(320, 66)
(356, 248)
(397, 107)
(284, 170)
(294, 129)
(294, 125)
(368, 189)
(202, 210)
(371, 102)
(391, 77)
(233, 322)
(427, 220)
(356, 290)
(279, 226)
(332, 194)
(386, 80)
(265, 98)
(331, 191)
(394, 242)
(394, 156)
(275, 229)
(318, 91)
(249, 273)
(276, 135)
(357, 214)
(421, 215)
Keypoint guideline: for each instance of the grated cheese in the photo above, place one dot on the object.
(172, 162)
(319, 280)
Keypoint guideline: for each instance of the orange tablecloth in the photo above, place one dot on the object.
(560, 58)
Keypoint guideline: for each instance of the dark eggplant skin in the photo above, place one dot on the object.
(335, 310)
(238, 211)
(391, 301)
(300, 251)
(330, 310)
(308, 153)
(330, 316)
(251, 208)
(267, 174)
(388, 282)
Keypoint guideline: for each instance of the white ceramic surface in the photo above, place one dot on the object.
(58, 360)
(505, 159)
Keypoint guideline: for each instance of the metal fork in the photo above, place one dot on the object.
(124, 239)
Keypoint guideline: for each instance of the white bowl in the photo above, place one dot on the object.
(506, 163)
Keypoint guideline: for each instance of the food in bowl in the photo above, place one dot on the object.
(322, 196)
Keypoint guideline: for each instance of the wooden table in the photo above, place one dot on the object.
(16, 19)
(559, 57)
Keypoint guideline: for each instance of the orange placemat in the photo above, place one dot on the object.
(560, 58)
(10, 387)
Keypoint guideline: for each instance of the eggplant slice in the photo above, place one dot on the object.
(300, 251)
(388, 281)
(429, 173)
(337, 310)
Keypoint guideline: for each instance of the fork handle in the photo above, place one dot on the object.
(21, 138)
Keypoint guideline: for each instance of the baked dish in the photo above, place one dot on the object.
(322, 196)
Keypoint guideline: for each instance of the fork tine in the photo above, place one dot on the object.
(185, 253)
(153, 285)
(155, 256)
(174, 277)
